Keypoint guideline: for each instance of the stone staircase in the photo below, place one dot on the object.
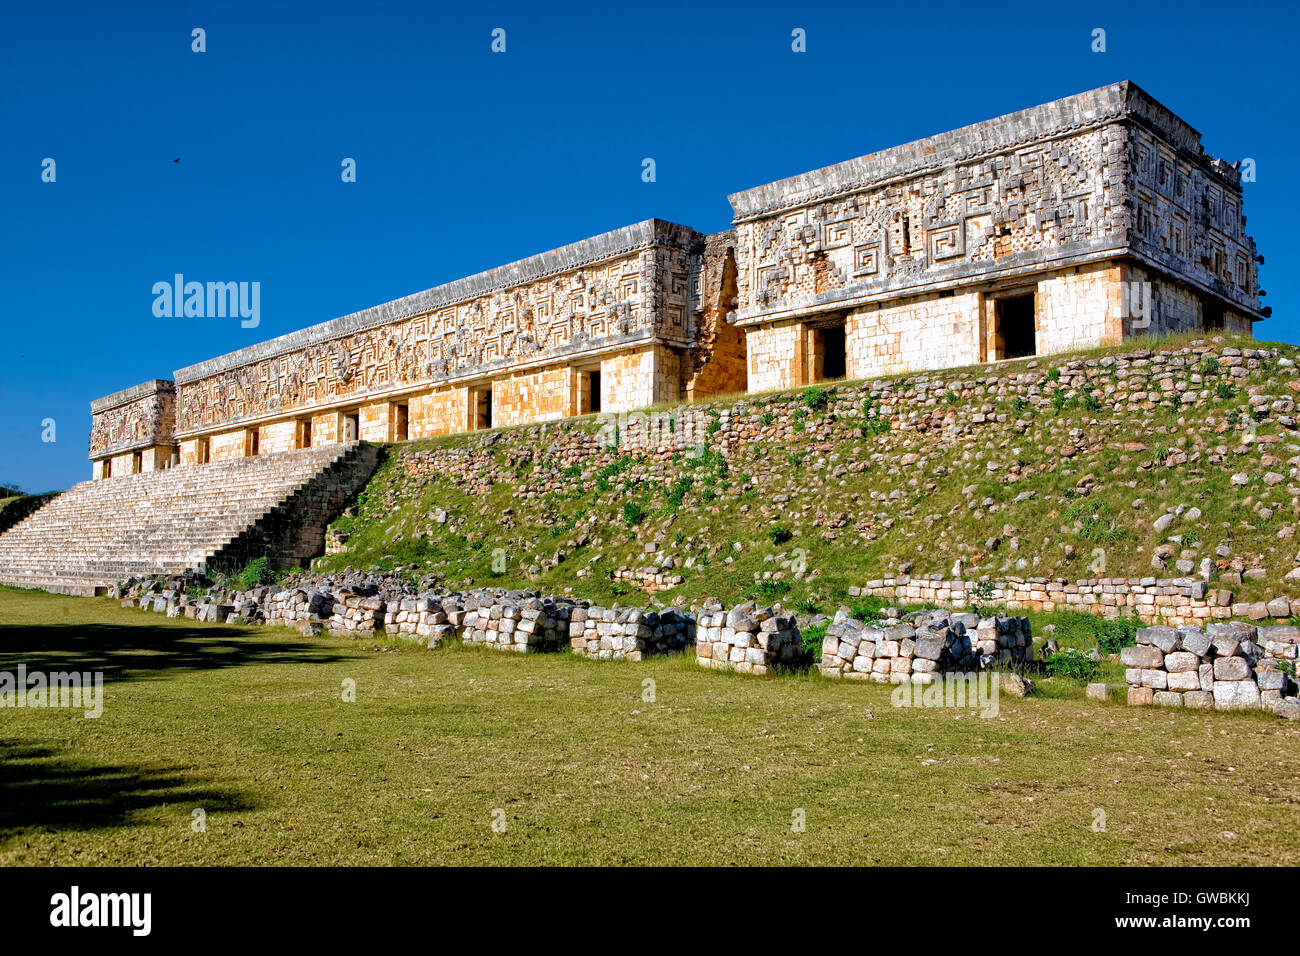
(214, 517)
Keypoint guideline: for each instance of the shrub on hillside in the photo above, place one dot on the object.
(816, 398)
(812, 638)
(1072, 665)
(868, 609)
(1109, 635)
(770, 590)
(779, 535)
(255, 574)
(633, 513)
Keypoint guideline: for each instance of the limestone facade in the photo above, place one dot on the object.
(1078, 223)
(133, 430)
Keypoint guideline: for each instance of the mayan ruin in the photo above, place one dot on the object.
(1082, 222)
(647, 437)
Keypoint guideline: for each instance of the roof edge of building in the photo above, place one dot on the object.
(1116, 101)
(134, 393)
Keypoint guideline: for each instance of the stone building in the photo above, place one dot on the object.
(1081, 222)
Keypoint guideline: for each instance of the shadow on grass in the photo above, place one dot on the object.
(141, 651)
(40, 788)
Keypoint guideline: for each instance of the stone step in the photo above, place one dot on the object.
(197, 518)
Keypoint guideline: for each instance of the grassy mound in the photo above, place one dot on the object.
(1154, 459)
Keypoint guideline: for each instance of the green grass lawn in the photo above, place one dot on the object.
(249, 725)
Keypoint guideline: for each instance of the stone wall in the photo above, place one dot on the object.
(540, 396)
(1072, 201)
(1078, 308)
(1109, 172)
(630, 287)
(610, 633)
(1249, 437)
(925, 332)
(916, 650)
(717, 363)
(908, 250)
(1227, 666)
(1172, 601)
(747, 639)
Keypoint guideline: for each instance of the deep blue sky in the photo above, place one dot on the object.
(469, 159)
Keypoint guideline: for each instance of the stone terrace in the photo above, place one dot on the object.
(184, 520)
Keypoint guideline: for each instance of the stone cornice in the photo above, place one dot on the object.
(1106, 105)
(132, 394)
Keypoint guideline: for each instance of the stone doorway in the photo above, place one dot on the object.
(1014, 334)
(481, 410)
(1212, 314)
(827, 352)
(589, 392)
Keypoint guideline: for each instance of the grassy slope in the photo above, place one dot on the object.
(946, 502)
(248, 724)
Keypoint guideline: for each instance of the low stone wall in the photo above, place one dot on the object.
(925, 643)
(423, 618)
(1227, 666)
(747, 639)
(1174, 602)
(606, 633)
(528, 625)
(649, 579)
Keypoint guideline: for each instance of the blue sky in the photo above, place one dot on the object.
(467, 159)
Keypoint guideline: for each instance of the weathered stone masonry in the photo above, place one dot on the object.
(1227, 666)
(134, 430)
(1080, 222)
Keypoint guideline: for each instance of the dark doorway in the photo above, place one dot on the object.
(834, 361)
(402, 425)
(1015, 327)
(593, 393)
(1213, 313)
(829, 360)
(483, 407)
(305, 426)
